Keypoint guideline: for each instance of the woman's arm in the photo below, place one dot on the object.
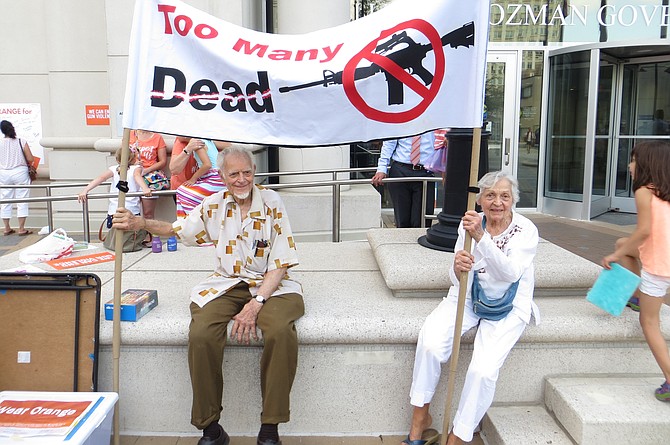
(162, 159)
(179, 160)
(206, 164)
(456, 269)
(27, 153)
(221, 145)
(631, 246)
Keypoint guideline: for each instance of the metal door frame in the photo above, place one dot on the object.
(512, 91)
(625, 204)
(582, 210)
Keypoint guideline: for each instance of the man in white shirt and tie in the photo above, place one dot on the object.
(404, 158)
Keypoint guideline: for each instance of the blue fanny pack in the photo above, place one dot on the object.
(492, 309)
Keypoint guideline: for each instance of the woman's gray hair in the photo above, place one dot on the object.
(236, 150)
(491, 179)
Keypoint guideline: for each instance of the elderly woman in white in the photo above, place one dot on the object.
(504, 246)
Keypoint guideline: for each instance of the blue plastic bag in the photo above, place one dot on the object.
(613, 288)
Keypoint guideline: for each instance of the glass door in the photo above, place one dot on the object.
(501, 108)
(600, 182)
(566, 145)
(577, 164)
(645, 109)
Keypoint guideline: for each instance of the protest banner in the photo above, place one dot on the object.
(403, 70)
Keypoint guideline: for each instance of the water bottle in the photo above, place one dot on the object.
(172, 244)
(156, 244)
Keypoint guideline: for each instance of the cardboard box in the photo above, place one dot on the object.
(93, 428)
(134, 304)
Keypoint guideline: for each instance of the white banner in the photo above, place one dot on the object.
(414, 66)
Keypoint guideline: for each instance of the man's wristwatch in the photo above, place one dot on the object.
(187, 152)
(260, 299)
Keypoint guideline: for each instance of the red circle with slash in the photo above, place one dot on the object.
(427, 93)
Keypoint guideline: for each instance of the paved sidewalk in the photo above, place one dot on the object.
(10, 243)
(589, 239)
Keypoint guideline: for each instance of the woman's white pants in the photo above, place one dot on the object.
(493, 342)
(14, 176)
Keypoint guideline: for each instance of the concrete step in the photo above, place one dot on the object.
(357, 344)
(522, 425)
(411, 270)
(608, 409)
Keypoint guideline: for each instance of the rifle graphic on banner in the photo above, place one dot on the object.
(409, 58)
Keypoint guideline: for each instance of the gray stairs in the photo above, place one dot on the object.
(587, 410)
(522, 425)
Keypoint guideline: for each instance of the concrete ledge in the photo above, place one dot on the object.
(357, 345)
(411, 270)
(343, 285)
(346, 297)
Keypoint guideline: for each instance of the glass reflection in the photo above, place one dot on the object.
(567, 120)
(529, 126)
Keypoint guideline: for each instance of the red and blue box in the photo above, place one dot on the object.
(135, 303)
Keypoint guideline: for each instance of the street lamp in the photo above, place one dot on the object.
(442, 236)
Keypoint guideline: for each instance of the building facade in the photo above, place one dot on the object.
(570, 86)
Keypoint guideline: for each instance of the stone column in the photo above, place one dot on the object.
(299, 17)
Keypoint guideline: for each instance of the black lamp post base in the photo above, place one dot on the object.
(443, 235)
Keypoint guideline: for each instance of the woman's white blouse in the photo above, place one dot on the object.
(502, 260)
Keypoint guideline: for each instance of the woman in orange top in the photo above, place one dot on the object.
(153, 156)
(181, 169)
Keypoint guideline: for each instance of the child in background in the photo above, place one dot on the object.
(205, 181)
(649, 245)
(152, 153)
(135, 184)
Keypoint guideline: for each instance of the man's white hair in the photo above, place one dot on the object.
(233, 150)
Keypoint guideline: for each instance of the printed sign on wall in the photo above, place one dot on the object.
(97, 114)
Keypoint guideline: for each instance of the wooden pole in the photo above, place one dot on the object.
(118, 267)
(463, 285)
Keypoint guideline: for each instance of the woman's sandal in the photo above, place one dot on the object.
(25, 232)
(428, 437)
(9, 232)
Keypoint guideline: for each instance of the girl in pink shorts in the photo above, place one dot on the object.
(647, 251)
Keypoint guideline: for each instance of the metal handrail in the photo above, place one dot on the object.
(334, 183)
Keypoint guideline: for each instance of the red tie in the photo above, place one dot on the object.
(440, 139)
(415, 154)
